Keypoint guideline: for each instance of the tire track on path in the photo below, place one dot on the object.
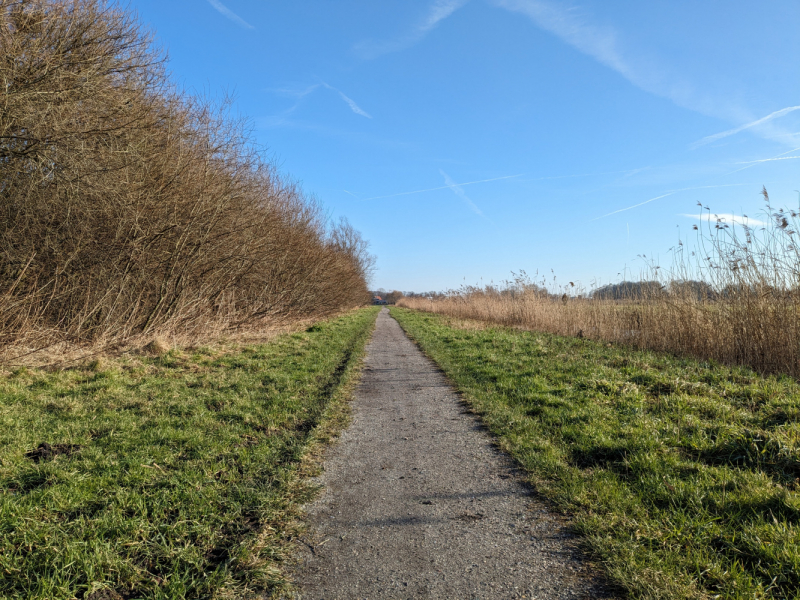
(418, 502)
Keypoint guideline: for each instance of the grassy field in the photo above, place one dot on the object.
(681, 475)
(169, 477)
(759, 330)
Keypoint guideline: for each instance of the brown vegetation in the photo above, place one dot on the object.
(128, 206)
(735, 300)
(390, 297)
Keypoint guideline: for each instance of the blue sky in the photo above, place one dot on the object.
(468, 139)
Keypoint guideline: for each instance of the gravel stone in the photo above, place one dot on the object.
(419, 503)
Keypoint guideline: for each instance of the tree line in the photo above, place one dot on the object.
(128, 205)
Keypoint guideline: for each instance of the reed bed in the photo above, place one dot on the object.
(734, 299)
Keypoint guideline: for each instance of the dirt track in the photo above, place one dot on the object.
(419, 504)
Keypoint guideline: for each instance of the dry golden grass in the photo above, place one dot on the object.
(703, 329)
(738, 305)
(215, 338)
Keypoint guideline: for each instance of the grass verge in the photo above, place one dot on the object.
(166, 477)
(681, 475)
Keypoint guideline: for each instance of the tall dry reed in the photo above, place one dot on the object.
(128, 206)
(734, 299)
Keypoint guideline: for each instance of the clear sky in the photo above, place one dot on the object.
(470, 138)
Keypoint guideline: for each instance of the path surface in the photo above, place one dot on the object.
(419, 504)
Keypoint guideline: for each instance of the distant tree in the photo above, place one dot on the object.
(698, 290)
(393, 296)
(128, 205)
(629, 290)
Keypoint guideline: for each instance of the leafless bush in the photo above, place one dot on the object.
(734, 299)
(129, 206)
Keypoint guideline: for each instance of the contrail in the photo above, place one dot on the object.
(354, 107)
(763, 160)
(724, 134)
(460, 193)
(596, 174)
(227, 12)
(670, 193)
(443, 187)
(754, 163)
(350, 102)
(636, 205)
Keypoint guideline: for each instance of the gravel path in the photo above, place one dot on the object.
(418, 503)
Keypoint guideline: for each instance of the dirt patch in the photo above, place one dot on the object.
(47, 451)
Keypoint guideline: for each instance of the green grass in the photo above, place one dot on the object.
(681, 475)
(169, 477)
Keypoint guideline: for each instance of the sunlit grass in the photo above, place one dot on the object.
(681, 475)
(166, 477)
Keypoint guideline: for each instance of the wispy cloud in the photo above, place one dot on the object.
(669, 193)
(442, 187)
(353, 106)
(626, 173)
(756, 123)
(458, 191)
(604, 44)
(763, 160)
(636, 205)
(228, 13)
(295, 92)
(437, 12)
(598, 42)
(727, 218)
(751, 164)
(300, 93)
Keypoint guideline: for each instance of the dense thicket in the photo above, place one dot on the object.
(127, 205)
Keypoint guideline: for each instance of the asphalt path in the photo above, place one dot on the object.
(419, 503)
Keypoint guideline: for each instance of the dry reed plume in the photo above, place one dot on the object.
(735, 299)
(128, 206)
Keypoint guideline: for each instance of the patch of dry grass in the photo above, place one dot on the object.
(739, 304)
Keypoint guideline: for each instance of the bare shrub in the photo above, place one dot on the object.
(734, 299)
(128, 206)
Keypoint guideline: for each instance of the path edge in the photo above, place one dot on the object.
(608, 586)
(302, 487)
